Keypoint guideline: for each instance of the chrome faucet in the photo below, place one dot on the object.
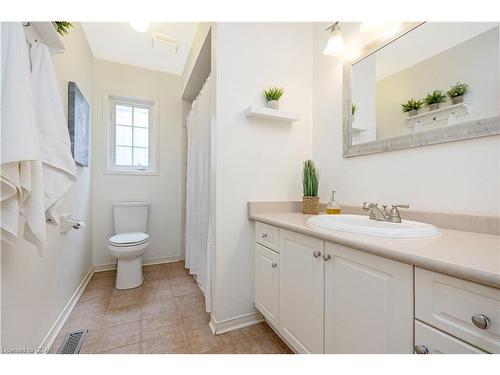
(377, 214)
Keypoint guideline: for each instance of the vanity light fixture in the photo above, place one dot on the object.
(140, 26)
(335, 40)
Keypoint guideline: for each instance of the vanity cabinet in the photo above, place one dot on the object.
(267, 283)
(301, 300)
(368, 303)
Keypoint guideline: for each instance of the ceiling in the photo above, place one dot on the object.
(119, 42)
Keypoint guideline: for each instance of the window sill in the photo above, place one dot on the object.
(132, 172)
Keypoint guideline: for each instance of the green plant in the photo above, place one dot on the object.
(412, 105)
(458, 90)
(354, 108)
(437, 96)
(273, 93)
(63, 27)
(310, 179)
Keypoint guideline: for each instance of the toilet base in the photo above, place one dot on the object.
(129, 273)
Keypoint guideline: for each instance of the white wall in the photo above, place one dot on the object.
(163, 191)
(255, 159)
(36, 289)
(458, 176)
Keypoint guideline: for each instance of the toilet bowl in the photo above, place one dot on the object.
(129, 242)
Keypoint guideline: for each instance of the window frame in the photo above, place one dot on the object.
(152, 105)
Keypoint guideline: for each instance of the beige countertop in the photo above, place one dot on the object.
(468, 255)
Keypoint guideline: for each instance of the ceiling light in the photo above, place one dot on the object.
(140, 26)
(335, 40)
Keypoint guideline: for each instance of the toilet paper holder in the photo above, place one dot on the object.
(68, 222)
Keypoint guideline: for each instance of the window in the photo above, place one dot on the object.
(131, 146)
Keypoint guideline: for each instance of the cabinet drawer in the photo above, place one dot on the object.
(437, 342)
(449, 303)
(267, 235)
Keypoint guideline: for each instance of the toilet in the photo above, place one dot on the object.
(129, 242)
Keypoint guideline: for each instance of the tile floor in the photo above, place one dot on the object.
(164, 315)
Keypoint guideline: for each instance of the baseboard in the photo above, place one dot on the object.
(145, 262)
(227, 325)
(61, 319)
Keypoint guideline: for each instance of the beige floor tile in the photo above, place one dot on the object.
(156, 271)
(89, 322)
(100, 279)
(128, 349)
(122, 315)
(173, 343)
(153, 294)
(158, 307)
(127, 297)
(177, 268)
(96, 293)
(186, 289)
(159, 326)
(157, 283)
(112, 337)
(181, 280)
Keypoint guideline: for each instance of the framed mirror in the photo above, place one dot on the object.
(433, 82)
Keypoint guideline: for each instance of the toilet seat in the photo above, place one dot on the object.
(129, 239)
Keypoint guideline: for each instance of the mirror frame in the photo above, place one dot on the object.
(467, 130)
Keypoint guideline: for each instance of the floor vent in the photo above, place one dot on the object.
(73, 342)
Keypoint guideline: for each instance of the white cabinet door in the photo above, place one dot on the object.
(301, 292)
(429, 340)
(368, 303)
(267, 283)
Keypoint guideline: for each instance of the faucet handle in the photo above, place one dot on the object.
(394, 215)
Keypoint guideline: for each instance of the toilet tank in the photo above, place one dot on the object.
(130, 216)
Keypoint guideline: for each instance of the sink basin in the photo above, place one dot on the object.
(358, 224)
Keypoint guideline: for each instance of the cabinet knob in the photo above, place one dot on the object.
(421, 349)
(264, 235)
(480, 321)
(274, 264)
(326, 257)
(317, 254)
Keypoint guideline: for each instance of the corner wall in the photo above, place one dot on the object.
(256, 159)
(36, 289)
(458, 176)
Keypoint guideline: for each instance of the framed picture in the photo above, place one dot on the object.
(78, 124)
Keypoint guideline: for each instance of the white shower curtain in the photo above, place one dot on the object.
(198, 191)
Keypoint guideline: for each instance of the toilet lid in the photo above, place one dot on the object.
(129, 238)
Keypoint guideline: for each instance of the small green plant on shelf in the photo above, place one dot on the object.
(433, 99)
(457, 92)
(310, 179)
(63, 27)
(354, 108)
(273, 93)
(412, 105)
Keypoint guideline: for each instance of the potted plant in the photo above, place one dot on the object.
(457, 92)
(273, 95)
(433, 99)
(354, 108)
(310, 181)
(62, 27)
(411, 107)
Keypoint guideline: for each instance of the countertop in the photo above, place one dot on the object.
(467, 255)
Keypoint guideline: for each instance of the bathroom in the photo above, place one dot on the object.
(182, 223)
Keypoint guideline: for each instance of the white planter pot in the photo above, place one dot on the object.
(274, 104)
(413, 112)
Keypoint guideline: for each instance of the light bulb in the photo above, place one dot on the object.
(140, 26)
(335, 42)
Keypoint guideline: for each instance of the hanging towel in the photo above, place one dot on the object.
(21, 181)
(59, 169)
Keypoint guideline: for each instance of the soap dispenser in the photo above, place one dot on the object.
(333, 208)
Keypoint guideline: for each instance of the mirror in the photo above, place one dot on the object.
(434, 82)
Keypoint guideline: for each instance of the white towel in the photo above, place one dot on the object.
(59, 169)
(21, 173)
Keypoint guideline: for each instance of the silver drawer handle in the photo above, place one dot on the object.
(274, 264)
(317, 254)
(421, 349)
(326, 257)
(480, 321)
(264, 235)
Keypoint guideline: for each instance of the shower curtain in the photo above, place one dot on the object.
(198, 235)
